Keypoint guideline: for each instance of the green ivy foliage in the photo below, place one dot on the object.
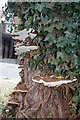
(58, 36)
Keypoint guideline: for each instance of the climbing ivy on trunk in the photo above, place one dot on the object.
(57, 28)
(58, 35)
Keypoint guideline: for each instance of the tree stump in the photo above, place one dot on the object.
(43, 102)
(40, 101)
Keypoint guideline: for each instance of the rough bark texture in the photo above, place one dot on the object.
(43, 102)
(39, 101)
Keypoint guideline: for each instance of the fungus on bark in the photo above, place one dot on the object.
(13, 102)
(51, 82)
(21, 88)
(22, 35)
(24, 49)
(37, 98)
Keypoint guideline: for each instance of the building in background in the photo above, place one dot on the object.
(6, 43)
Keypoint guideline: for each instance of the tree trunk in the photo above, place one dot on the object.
(40, 101)
(35, 100)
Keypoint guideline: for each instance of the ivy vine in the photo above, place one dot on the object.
(58, 35)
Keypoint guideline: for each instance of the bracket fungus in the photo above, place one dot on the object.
(18, 44)
(13, 102)
(22, 35)
(21, 88)
(51, 82)
(24, 49)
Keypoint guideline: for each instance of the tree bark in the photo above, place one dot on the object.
(40, 101)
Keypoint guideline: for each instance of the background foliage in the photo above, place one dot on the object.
(58, 37)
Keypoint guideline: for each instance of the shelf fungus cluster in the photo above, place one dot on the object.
(21, 47)
(51, 81)
(22, 35)
(25, 49)
(34, 94)
(19, 91)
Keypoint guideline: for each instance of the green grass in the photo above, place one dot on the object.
(6, 87)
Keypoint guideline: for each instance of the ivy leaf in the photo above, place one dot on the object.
(49, 5)
(49, 36)
(68, 49)
(39, 7)
(49, 29)
(30, 19)
(68, 87)
(59, 25)
(31, 64)
(27, 25)
(76, 99)
(44, 21)
(36, 56)
(59, 54)
(56, 19)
